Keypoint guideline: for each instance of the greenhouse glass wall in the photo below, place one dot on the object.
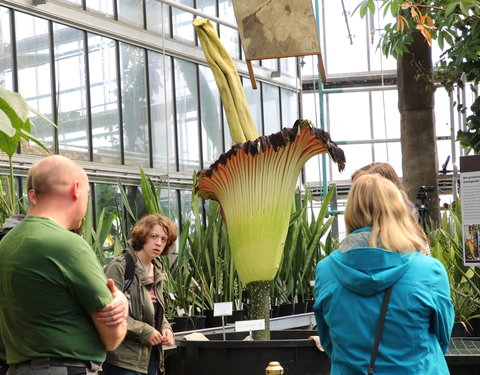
(128, 85)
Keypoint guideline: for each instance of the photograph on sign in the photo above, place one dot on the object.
(470, 198)
(277, 28)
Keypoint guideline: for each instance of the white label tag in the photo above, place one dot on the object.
(222, 309)
(249, 325)
(180, 312)
(312, 282)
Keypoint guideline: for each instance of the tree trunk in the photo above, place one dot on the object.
(417, 123)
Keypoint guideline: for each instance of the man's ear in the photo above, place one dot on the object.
(75, 191)
(31, 197)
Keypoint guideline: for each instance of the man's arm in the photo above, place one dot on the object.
(113, 328)
(116, 311)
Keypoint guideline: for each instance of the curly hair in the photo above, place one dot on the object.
(145, 225)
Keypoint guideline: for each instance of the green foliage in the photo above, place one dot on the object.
(446, 244)
(15, 124)
(303, 249)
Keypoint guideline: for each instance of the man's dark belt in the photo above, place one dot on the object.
(60, 362)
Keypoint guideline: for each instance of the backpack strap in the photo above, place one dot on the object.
(129, 271)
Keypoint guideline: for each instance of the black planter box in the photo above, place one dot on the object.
(292, 349)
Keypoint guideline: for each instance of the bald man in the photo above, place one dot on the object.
(58, 314)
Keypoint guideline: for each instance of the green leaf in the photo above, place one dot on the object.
(371, 6)
(29, 137)
(6, 125)
(450, 8)
(16, 102)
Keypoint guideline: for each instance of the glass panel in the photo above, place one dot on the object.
(169, 203)
(341, 56)
(289, 66)
(186, 204)
(103, 91)
(34, 78)
(134, 105)
(187, 115)
(271, 108)
(226, 132)
(289, 108)
(312, 169)
(78, 2)
(310, 108)
(378, 61)
(131, 12)
(385, 114)
(72, 124)
(270, 64)
(211, 117)
(230, 37)
(207, 6)
(6, 64)
(108, 198)
(351, 124)
(442, 113)
(444, 150)
(162, 112)
(102, 6)
(389, 153)
(357, 156)
(158, 17)
(254, 100)
(182, 23)
(308, 66)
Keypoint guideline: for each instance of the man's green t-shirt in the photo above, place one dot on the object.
(50, 283)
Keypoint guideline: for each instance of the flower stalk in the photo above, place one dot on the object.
(254, 181)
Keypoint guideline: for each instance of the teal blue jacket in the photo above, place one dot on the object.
(349, 289)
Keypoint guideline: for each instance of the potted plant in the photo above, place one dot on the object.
(447, 246)
(254, 184)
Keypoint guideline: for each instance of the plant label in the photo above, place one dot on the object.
(180, 311)
(249, 325)
(222, 309)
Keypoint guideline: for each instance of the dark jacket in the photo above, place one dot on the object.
(134, 352)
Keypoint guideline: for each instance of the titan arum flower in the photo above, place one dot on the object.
(254, 182)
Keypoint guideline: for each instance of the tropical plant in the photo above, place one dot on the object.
(97, 238)
(446, 243)
(455, 26)
(15, 125)
(303, 249)
(255, 181)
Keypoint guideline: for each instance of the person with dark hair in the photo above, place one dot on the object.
(148, 329)
(382, 258)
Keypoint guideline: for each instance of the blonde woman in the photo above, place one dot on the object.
(350, 285)
(387, 171)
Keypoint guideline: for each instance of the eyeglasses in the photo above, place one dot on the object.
(156, 237)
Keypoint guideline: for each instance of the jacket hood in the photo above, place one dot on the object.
(367, 271)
